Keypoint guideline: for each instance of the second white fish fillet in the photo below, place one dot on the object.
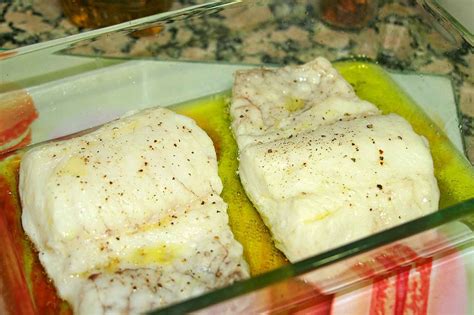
(331, 170)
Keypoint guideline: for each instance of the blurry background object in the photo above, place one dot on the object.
(17, 113)
(98, 13)
(348, 13)
(96, 75)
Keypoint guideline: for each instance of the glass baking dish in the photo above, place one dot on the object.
(58, 88)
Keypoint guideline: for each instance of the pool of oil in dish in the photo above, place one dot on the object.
(454, 174)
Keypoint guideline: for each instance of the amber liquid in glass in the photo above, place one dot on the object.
(348, 13)
(99, 13)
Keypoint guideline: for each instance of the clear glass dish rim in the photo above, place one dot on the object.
(435, 9)
(430, 6)
(433, 220)
(55, 45)
(374, 241)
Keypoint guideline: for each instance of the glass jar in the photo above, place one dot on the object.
(348, 14)
(99, 13)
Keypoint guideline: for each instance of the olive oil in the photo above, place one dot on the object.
(454, 174)
(453, 171)
(212, 115)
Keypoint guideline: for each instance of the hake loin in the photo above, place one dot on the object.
(332, 170)
(129, 218)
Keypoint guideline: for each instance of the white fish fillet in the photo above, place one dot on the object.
(319, 183)
(129, 217)
(272, 104)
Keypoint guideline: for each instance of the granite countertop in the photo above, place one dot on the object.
(398, 38)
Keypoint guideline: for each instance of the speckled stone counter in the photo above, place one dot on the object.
(399, 38)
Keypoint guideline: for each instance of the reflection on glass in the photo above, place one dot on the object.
(400, 37)
(396, 276)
